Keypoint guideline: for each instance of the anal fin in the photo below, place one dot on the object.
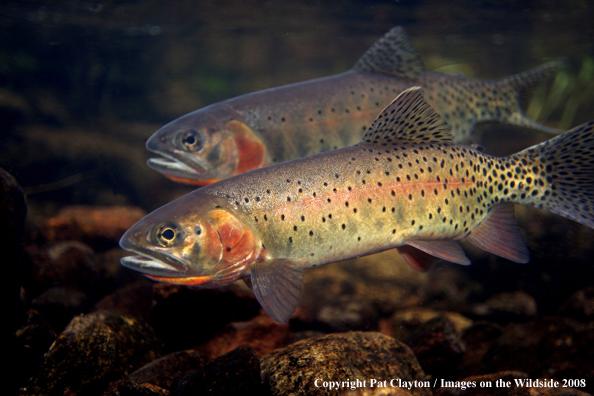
(277, 285)
(416, 258)
(445, 249)
(500, 234)
(421, 255)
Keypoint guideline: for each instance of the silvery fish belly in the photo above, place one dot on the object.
(298, 120)
(406, 185)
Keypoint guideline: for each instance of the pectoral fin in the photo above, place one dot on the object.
(500, 234)
(277, 285)
(421, 255)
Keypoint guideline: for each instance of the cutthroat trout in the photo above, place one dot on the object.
(298, 120)
(407, 185)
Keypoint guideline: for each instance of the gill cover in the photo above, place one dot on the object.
(201, 153)
(226, 243)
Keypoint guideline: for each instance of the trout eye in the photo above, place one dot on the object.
(190, 140)
(167, 235)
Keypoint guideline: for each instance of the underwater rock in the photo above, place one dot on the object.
(354, 294)
(131, 388)
(507, 306)
(185, 317)
(503, 384)
(546, 347)
(25, 351)
(67, 278)
(158, 376)
(135, 299)
(237, 372)
(94, 225)
(261, 333)
(376, 392)
(60, 304)
(340, 357)
(478, 339)
(65, 263)
(580, 306)
(92, 351)
(346, 313)
(404, 323)
(438, 346)
(449, 288)
(13, 211)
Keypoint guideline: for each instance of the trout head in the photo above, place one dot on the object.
(206, 146)
(195, 241)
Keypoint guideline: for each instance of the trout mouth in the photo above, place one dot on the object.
(170, 166)
(167, 271)
(148, 261)
(160, 265)
(176, 163)
(182, 173)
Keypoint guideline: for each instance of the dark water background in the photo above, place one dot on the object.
(84, 84)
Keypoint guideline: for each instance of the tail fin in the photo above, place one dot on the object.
(522, 85)
(471, 101)
(558, 175)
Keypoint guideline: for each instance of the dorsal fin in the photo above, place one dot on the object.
(408, 119)
(392, 54)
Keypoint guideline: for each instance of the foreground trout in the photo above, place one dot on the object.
(405, 186)
(298, 120)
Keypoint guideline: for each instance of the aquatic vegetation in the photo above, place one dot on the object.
(565, 97)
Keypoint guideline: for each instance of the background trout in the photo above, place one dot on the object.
(407, 185)
(298, 120)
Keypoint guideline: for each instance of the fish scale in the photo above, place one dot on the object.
(297, 120)
(419, 196)
(406, 185)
